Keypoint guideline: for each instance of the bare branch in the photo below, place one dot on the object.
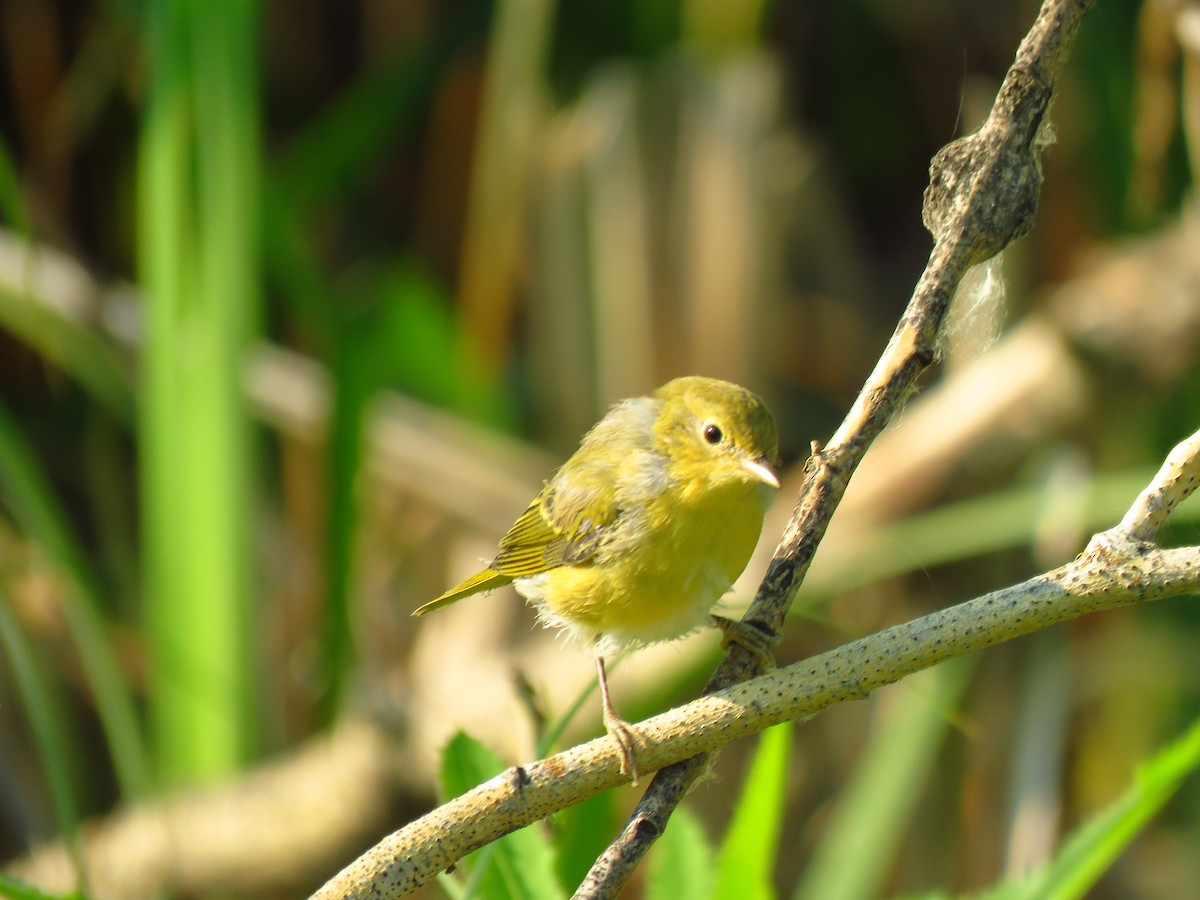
(1174, 483)
(982, 194)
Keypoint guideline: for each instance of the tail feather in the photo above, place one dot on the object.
(487, 580)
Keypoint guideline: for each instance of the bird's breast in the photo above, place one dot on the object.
(660, 572)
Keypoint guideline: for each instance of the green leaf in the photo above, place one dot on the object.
(517, 866)
(871, 815)
(79, 350)
(1094, 847)
(681, 863)
(198, 261)
(50, 733)
(748, 855)
(12, 205)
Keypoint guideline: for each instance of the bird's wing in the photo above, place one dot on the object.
(563, 526)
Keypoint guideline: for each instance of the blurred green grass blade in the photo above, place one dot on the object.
(963, 530)
(12, 205)
(681, 863)
(332, 155)
(163, 241)
(400, 334)
(198, 255)
(748, 853)
(109, 484)
(1093, 848)
(522, 863)
(70, 344)
(49, 733)
(83, 355)
(353, 387)
(366, 120)
(873, 811)
(413, 340)
(334, 151)
(31, 501)
(11, 889)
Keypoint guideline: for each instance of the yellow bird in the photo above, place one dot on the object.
(640, 533)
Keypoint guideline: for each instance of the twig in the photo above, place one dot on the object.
(1117, 569)
(1172, 485)
(982, 194)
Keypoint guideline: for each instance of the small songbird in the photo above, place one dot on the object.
(640, 533)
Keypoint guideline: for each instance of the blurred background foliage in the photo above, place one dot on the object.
(301, 301)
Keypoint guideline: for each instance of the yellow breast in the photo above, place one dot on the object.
(690, 547)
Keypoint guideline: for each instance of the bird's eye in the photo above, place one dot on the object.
(712, 433)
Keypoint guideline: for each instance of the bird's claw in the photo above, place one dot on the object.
(751, 639)
(622, 732)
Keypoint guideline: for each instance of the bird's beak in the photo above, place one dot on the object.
(761, 470)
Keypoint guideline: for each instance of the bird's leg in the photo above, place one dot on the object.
(618, 728)
(751, 639)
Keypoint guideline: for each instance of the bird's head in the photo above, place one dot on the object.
(714, 432)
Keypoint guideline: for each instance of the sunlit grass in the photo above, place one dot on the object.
(198, 258)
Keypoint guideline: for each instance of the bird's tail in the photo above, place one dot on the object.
(487, 580)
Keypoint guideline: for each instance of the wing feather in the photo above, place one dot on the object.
(487, 580)
(565, 525)
(576, 512)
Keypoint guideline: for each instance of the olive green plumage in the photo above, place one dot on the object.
(639, 533)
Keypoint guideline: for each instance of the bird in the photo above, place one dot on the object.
(638, 534)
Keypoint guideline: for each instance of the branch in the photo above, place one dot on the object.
(982, 194)
(1173, 484)
(1117, 569)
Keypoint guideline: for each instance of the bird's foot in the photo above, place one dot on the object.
(753, 640)
(622, 732)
